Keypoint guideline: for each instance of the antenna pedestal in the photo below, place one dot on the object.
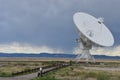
(85, 55)
(85, 46)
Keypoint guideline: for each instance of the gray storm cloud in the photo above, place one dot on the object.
(49, 22)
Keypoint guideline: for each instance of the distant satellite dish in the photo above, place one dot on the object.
(92, 31)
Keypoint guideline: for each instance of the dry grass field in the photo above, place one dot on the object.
(7, 68)
(78, 72)
(106, 70)
(48, 59)
(12, 65)
(34, 59)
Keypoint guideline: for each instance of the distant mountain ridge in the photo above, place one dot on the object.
(55, 55)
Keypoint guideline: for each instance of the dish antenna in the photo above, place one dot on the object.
(91, 32)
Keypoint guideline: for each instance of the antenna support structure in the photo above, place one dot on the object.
(85, 45)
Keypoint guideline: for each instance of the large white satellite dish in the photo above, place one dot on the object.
(92, 31)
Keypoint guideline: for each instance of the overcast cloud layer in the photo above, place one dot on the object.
(49, 22)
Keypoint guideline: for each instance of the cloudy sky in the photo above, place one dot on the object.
(35, 26)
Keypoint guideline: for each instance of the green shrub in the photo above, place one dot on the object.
(64, 73)
(46, 78)
(71, 68)
(3, 74)
(103, 76)
(90, 74)
(119, 77)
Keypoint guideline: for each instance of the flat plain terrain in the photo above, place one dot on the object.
(104, 70)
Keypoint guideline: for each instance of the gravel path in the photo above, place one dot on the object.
(23, 77)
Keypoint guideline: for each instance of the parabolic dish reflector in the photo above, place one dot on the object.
(93, 29)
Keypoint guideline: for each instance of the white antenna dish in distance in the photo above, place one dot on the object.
(93, 28)
(92, 31)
